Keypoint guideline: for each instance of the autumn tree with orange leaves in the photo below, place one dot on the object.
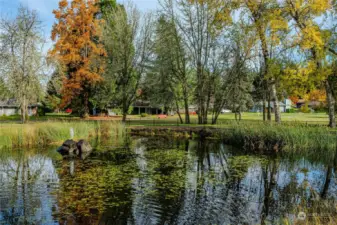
(78, 50)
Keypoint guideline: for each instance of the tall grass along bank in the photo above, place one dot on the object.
(273, 137)
(46, 133)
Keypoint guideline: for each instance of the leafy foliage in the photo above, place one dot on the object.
(21, 58)
(77, 48)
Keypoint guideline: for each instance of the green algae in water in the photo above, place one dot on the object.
(166, 172)
(240, 164)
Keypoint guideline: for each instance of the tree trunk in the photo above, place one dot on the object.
(208, 100)
(266, 58)
(86, 105)
(331, 104)
(124, 117)
(205, 116)
(276, 103)
(215, 118)
(187, 112)
(269, 108)
(125, 111)
(23, 110)
(178, 112)
(166, 111)
(200, 94)
(264, 106)
(125, 106)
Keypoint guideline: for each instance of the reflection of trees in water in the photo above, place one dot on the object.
(161, 181)
(258, 190)
(218, 195)
(170, 181)
(269, 182)
(216, 187)
(94, 191)
(184, 193)
(330, 171)
(26, 180)
(296, 186)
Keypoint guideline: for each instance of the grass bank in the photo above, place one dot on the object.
(295, 138)
(41, 134)
(262, 137)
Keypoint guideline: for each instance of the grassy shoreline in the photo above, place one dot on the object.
(258, 137)
(41, 134)
(295, 138)
(261, 137)
(310, 118)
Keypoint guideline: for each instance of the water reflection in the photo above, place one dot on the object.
(27, 180)
(165, 181)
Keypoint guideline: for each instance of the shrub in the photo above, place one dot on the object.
(144, 115)
(305, 108)
(321, 108)
(41, 111)
(292, 110)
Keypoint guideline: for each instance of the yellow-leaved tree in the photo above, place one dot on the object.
(266, 20)
(313, 39)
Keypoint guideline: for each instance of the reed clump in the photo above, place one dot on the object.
(291, 137)
(41, 134)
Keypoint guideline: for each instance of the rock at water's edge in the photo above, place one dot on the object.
(84, 146)
(70, 147)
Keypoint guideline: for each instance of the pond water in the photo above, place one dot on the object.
(166, 181)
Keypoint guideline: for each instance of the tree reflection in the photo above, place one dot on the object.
(166, 181)
(27, 179)
(332, 166)
(161, 182)
(94, 190)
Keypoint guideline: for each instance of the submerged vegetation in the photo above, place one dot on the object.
(46, 133)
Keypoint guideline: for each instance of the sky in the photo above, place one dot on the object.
(44, 8)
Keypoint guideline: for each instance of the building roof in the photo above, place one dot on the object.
(271, 104)
(9, 103)
(12, 103)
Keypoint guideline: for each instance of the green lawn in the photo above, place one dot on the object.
(48, 116)
(310, 118)
(303, 117)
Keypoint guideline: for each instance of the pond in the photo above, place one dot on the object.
(166, 181)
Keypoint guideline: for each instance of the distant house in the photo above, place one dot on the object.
(11, 107)
(191, 109)
(284, 105)
(8, 107)
(311, 104)
(140, 107)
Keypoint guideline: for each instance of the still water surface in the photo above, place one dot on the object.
(164, 181)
